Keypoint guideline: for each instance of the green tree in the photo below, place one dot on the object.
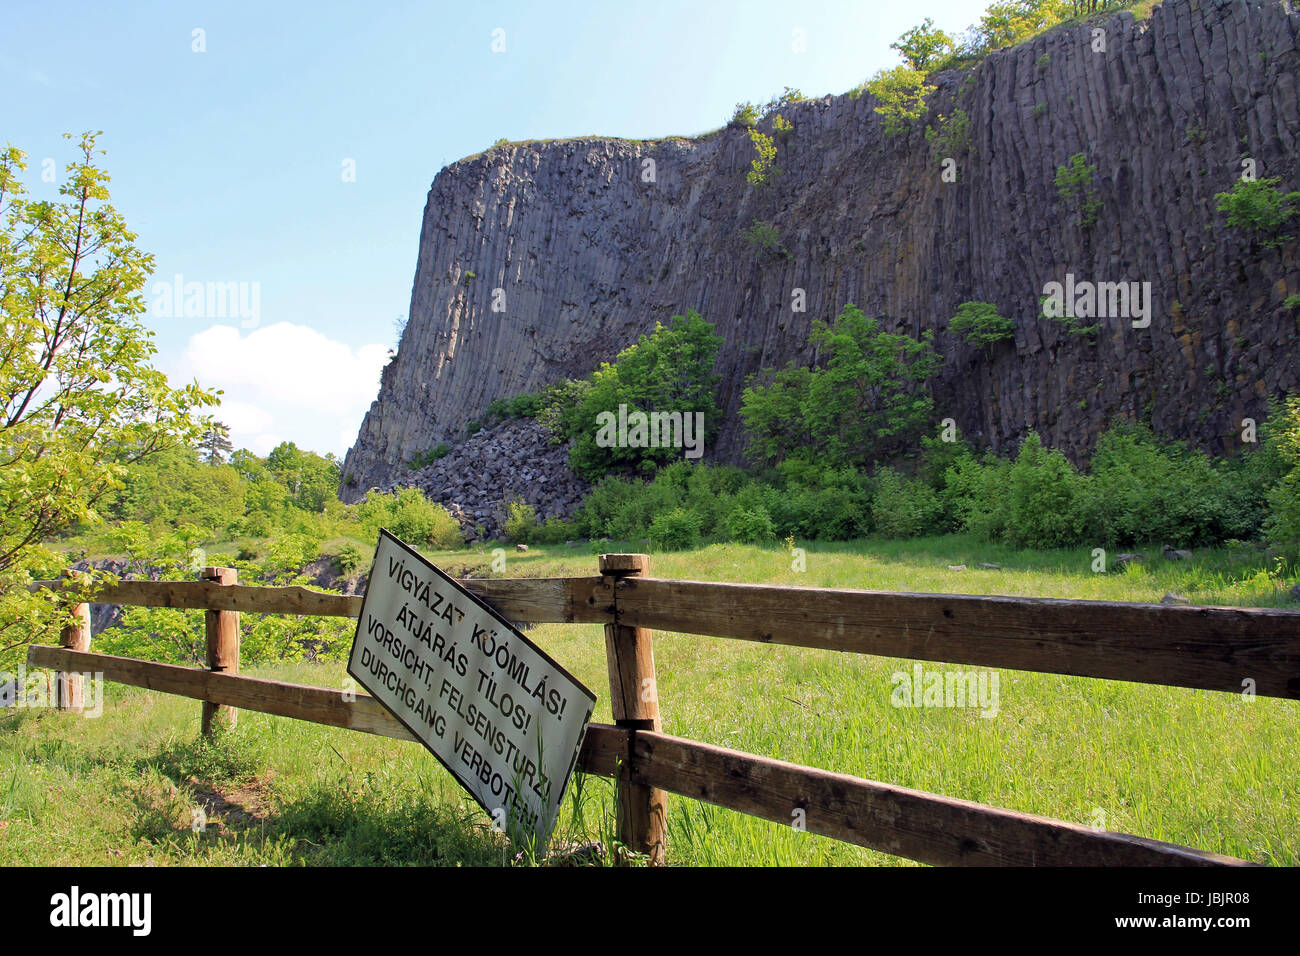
(900, 97)
(79, 399)
(980, 324)
(669, 370)
(215, 443)
(865, 401)
(1009, 22)
(1259, 206)
(923, 46)
(310, 479)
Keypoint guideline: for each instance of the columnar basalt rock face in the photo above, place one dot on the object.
(582, 254)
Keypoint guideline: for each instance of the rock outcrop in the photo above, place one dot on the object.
(512, 460)
(539, 260)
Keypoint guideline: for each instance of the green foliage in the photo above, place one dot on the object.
(174, 486)
(527, 405)
(981, 325)
(773, 408)
(746, 114)
(764, 235)
(521, 521)
(1010, 22)
(311, 480)
(1283, 438)
(922, 47)
(427, 457)
(675, 530)
(1259, 207)
(900, 97)
(1044, 496)
(1075, 186)
(670, 370)
(904, 507)
(81, 401)
(867, 399)
(952, 136)
(410, 516)
(1141, 489)
(750, 525)
(351, 559)
(763, 166)
(1291, 302)
(782, 126)
(214, 443)
(1073, 324)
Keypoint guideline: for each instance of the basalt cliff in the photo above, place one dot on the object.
(539, 260)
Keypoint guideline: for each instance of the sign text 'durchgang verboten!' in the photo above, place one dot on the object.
(504, 718)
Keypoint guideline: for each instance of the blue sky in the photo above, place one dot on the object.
(230, 162)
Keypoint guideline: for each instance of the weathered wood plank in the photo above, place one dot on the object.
(222, 636)
(909, 823)
(547, 600)
(634, 702)
(1212, 648)
(523, 600)
(603, 748)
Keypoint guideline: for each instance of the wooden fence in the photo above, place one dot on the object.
(1212, 648)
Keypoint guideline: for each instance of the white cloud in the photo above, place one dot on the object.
(288, 380)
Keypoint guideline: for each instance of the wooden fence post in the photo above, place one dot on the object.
(634, 699)
(222, 629)
(76, 636)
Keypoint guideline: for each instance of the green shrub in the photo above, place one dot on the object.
(351, 559)
(1283, 525)
(763, 166)
(750, 525)
(527, 405)
(1259, 206)
(427, 457)
(973, 494)
(1141, 490)
(1075, 186)
(675, 530)
(746, 114)
(981, 325)
(951, 138)
(765, 236)
(1044, 496)
(411, 516)
(904, 507)
(555, 531)
(521, 521)
(900, 97)
(866, 400)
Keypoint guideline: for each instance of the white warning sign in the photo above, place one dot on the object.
(495, 709)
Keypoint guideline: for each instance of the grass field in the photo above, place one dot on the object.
(1211, 770)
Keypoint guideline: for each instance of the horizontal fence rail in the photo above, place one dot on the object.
(522, 600)
(921, 826)
(1211, 648)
